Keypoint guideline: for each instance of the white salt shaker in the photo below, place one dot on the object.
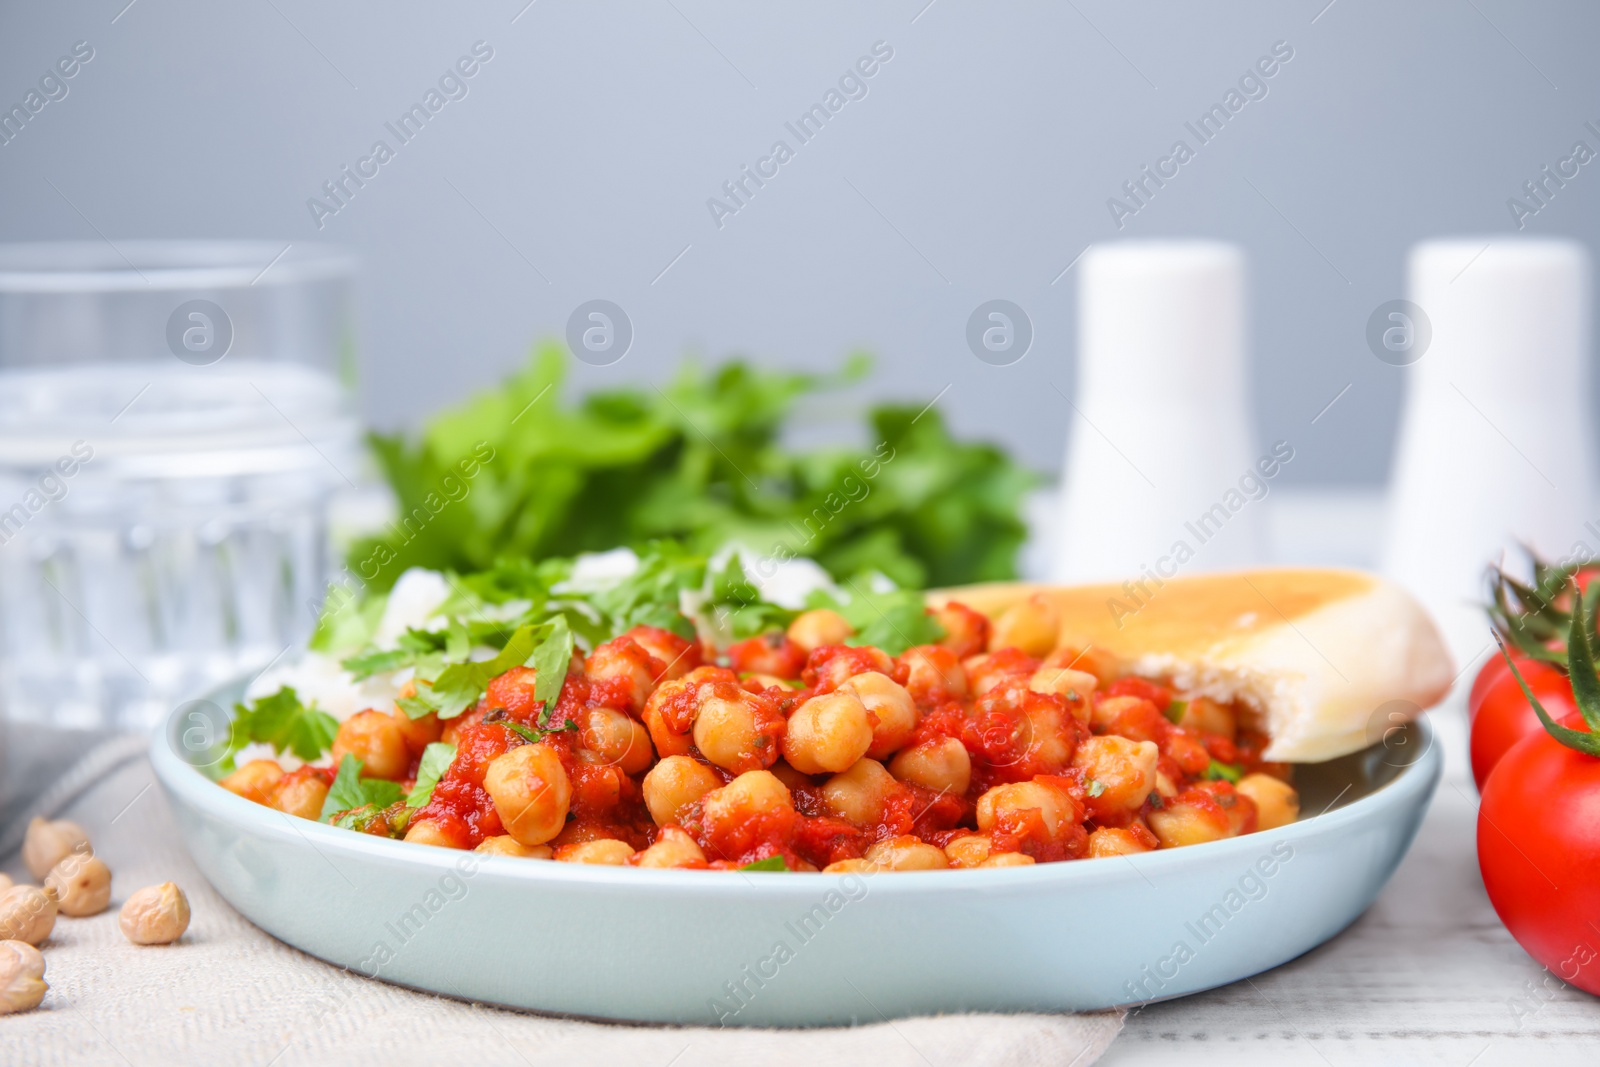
(1162, 474)
(1496, 440)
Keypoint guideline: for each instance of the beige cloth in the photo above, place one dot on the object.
(230, 994)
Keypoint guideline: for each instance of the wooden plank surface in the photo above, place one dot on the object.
(1427, 976)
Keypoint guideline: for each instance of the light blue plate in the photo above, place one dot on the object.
(702, 947)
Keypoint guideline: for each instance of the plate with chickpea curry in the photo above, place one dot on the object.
(661, 787)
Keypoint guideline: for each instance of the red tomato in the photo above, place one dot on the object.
(1539, 850)
(1503, 716)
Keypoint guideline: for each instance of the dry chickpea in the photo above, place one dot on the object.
(1008, 859)
(1125, 770)
(27, 913)
(1277, 802)
(813, 629)
(907, 853)
(673, 848)
(1032, 626)
(1055, 806)
(253, 781)
(81, 884)
(155, 915)
(374, 738)
(616, 739)
(605, 851)
(942, 764)
(859, 794)
(827, 733)
(531, 792)
(737, 730)
(5, 882)
(299, 794)
(48, 842)
(506, 845)
(22, 984)
(1113, 841)
(673, 785)
(890, 703)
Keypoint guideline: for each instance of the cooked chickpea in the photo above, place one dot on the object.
(1073, 686)
(1008, 859)
(22, 984)
(1277, 802)
(673, 785)
(860, 793)
(155, 915)
(1055, 806)
(907, 853)
(419, 733)
(942, 765)
(1206, 716)
(969, 850)
(966, 632)
(48, 842)
(752, 793)
(27, 913)
(737, 730)
(1104, 712)
(624, 667)
(81, 884)
(531, 792)
(851, 867)
(813, 629)
(253, 781)
(673, 848)
(670, 711)
(933, 674)
(605, 851)
(377, 741)
(1125, 771)
(827, 733)
(1033, 625)
(506, 845)
(615, 739)
(1114, 841)
(5, 882)
(891, 705)
(1179, 822)
(428, 832)
(789, 776)
(300, 794)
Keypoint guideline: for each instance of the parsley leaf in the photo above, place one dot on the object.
(459, 685)
(436, 759)
(350, 790)
(282, 721)
(1224, 772)
(1175, 711)
(771, 863)
(551, 659)
(893, 620)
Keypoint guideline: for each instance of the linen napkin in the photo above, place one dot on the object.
(229, 993)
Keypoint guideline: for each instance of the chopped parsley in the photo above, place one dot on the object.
(1175, 710)
(436, 759)
(1094, 787)
(1224, 772)
(771, 863)
(350, 791)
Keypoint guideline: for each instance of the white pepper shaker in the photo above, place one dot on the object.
(1161, 470)
(1496, 439)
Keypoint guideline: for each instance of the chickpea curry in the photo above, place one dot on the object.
(795, 748)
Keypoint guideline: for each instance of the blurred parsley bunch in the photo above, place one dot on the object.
(697, 461)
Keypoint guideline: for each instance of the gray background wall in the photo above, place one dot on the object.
(978, 166)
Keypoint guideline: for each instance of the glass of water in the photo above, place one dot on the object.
(175, 424)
